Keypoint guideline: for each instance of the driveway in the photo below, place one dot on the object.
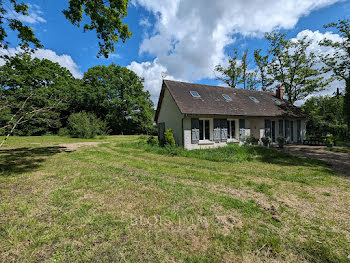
(339, 161)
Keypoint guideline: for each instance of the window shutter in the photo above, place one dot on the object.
(217, 130)
(223, 130)
(194, 131)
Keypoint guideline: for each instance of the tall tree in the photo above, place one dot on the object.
(252, 80)
(104, 16)
(294, 67)
(339, 61)
(244, 69)
(237, 73)
(116, 94)
(230, 75)
(325, 115)
(262, 63)
(32, 91)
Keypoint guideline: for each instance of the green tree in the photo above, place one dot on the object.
(85, 125)
(325, 115)
(262, 63)
(32, 93)
(116, 94)
(294, 67)
(103, 16)
(232, 74)
(237, 73)
(244, 69)
(339, 61)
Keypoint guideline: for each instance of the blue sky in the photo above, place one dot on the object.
(185, 39)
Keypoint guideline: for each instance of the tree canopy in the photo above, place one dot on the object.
(339, 61)
(116, 94)
(104, 16)
(33, 92)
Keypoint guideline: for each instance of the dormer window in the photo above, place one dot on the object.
(195, 94)
(254, 99)
(277, 101)
(227, 97)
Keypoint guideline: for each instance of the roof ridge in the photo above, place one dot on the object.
(212, 86)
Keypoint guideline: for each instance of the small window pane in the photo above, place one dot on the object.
(233, 129)
(227, 97)
(195, 94)
(280, 132)
(201, 130)
(228, 130)
(277, 101)
(254, 99)
(242, 123)
(207, 132)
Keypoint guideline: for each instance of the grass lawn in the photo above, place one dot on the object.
(126, 201)
(341, 149)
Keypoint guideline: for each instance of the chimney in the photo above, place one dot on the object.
(279, 92)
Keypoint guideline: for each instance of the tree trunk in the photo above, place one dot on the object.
(13, 128)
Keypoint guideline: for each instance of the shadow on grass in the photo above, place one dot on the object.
(274, 156)
(21, 160)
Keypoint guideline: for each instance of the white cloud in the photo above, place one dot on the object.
(35, 15)
(189, 37)
(145, 22)
(152, 74)
(63, 60)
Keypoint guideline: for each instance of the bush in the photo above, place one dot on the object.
(169, 138)
(281, 139)
(63, 132)
(152, 141)
(250, 140)
(266, 140)
(85, 125)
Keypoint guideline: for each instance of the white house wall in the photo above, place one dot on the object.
(169, 114)
(255, 127)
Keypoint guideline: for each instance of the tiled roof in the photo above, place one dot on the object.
(212, 101)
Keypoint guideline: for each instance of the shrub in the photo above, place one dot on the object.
(250, 140)
(152, 141)
(63, 132)
(266, 140)
(281, 139)
(169, 138)
(85, 125)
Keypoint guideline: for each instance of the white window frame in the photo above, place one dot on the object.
(210, 128)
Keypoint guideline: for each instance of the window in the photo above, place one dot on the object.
(268, 128)
(195, 94)
(231, 129)
(299, 130)
(241, 127)
(277, 101)
(273, 131)
(204, 130)
(292, 131)
(227, 97)
(286, 129)
(254, 99)
(280, 128)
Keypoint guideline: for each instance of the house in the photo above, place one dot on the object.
(203, 116)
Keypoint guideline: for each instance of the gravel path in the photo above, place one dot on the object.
(339, 161)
